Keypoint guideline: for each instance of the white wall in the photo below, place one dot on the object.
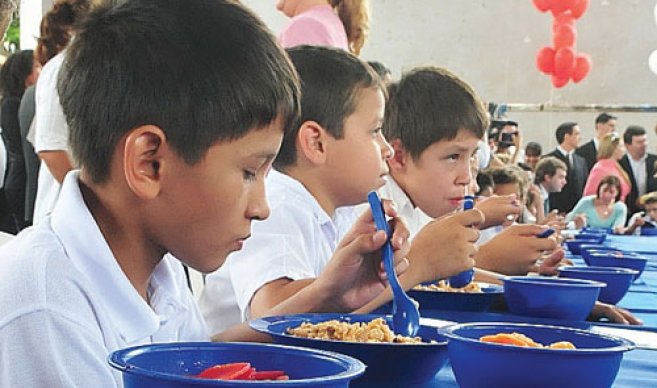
(31, 13)
(493, 43)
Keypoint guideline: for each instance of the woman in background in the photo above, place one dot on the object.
(16, 75)
(335, 23)
(602, 210)
(611, 150)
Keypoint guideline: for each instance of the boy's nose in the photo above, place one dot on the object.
(258, 208)
(386, 149)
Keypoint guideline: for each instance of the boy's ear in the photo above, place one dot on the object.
(311, 142)
(143, 159)
(399, 159)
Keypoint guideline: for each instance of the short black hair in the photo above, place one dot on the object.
(604, 117)
(203, 71)
(484, 181)
(631, 131)
(533, 149)
(380, 69)
(430, 104)
(565, 129)
(14, 72)
(331, 81)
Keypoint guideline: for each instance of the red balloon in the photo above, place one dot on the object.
(579, 8)
(561, 19)
(559, 6)
(542, 5)
(582, 67)
(545, 60)
(564, 62)
(564, 36)
(559, 82)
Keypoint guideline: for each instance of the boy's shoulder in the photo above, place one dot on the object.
(32, 264)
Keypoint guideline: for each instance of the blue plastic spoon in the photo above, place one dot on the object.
(405, 315)
(464, 278)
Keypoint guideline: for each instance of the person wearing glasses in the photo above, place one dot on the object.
(610, 152)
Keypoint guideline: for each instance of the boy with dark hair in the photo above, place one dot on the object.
(335, 155)
(434, 122)
(174, 149)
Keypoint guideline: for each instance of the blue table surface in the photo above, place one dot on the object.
(639, 367)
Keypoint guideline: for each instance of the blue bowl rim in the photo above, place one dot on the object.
(598, 270)
(492, 289)
(623, 346)
(625, 256)
(554, 281)
(116, 359)
(262, 325)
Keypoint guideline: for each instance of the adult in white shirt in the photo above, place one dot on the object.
(50, 139)
(639, 166)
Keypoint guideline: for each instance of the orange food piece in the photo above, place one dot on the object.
(517, 339)
(562, 345)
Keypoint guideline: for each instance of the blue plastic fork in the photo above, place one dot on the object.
(405, 315)
(464, 278)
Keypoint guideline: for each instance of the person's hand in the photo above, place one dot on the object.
(552, 262)
(497, 208)
(514, 251)
(614, 314)
(355, 273)
(554, 218)
(580, 221)
(640, 221)
(444, 247)
(517, 140)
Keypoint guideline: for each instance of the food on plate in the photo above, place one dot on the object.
(443, 286)
(240, 371)
(518, 339)
(376, 330)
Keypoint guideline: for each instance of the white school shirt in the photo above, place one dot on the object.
(415, 218)
(65, 304)
(295, 242)
(639, 172)
(50, 134)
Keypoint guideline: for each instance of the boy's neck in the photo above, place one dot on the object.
(316, 186)
(118, 225)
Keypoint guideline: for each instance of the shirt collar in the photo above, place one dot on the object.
(544, 192)
(90, 254)
(563, 151)
(641, 160)
(414, 216)
(297, 190)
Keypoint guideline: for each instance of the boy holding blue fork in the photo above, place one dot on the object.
(334, 156)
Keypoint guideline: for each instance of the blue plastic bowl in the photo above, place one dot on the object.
(547, 297)
(457, 301)
(649, 231)
(607, 259)
(595, 237)
(386, 363)
(575, 246)
(618, 280)
(477, 364)
(172, 365)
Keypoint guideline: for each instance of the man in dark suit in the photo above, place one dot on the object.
(604, 124)
(639, 166)
(568, 135)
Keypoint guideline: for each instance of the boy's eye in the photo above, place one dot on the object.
(453, 157)
(249, 175)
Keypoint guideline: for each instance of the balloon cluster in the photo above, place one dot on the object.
(562, 61)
